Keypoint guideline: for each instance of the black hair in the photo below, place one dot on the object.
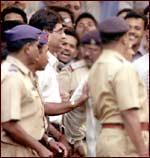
(72, 33)
(146, 10)
(14, 10)
(17, 45)
(110, 37)
(62, 9)
(6, 25)
(136, 15)
(45, 19)
(85, 15)
(124, 10)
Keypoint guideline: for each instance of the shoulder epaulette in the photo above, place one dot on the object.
(13, 68)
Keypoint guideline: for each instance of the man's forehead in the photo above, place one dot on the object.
(58, 26)
(75, 3)
(68, 38)
(90, 46)
(135, 20)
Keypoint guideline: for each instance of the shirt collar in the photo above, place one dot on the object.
(52, 59)
(18, 64)
(114, 53)
(142, 51)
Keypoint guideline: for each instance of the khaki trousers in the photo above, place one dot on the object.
(116, 143)
(9, 150)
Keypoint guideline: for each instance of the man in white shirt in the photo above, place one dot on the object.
(142, 64)
(137, 23)
(142, 67)
(51, 22)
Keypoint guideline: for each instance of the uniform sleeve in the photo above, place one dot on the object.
(64, 79)
(11, 98)
(126, 88)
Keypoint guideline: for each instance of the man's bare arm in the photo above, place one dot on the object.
(133, 128)
(19, 135)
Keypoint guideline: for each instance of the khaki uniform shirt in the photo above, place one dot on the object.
(69, 79)
(115, 86)
(20, 100)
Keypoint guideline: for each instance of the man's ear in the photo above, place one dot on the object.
(27, 48)
(37, 58)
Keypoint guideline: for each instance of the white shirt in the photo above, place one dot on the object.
(48, 84)
(142, 67)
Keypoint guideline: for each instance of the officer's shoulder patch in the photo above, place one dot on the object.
(13, 68)
(78, 65)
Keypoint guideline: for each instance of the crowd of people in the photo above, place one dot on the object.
(75, 80)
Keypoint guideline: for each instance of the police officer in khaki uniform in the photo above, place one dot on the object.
(69, 79)
(22, 115)
(119, 97)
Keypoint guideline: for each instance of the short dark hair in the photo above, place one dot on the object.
(85, 15)
(146, 10)
(62, 9)
(108, 38)
(45, 19)
(136, 15)
(71, 32)
(16, 46)
(124, 10)
(6, 25)
(14, 10)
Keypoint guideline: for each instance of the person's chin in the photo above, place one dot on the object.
(89, 64)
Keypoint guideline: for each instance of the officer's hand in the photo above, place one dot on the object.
(85, 93)
(58, 147)
(85, 89)
(66, 144)
(44, 152)
(65, 96)
(80, 149)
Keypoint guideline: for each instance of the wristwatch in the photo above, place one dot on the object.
(49, 139)
(72, 103)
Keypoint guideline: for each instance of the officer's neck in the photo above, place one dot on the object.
(23, 59)
(118, 47)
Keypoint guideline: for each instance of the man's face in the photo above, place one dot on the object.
(14, 16)
(19, 4)
(90, 53)
(85, 25)
(146, 36)
(42, 61)
(66, 19)
(32, 51)
(52, 3)
(136, 30)
(56, 36)
(147, 15)
(68, 49)
(74, 6)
